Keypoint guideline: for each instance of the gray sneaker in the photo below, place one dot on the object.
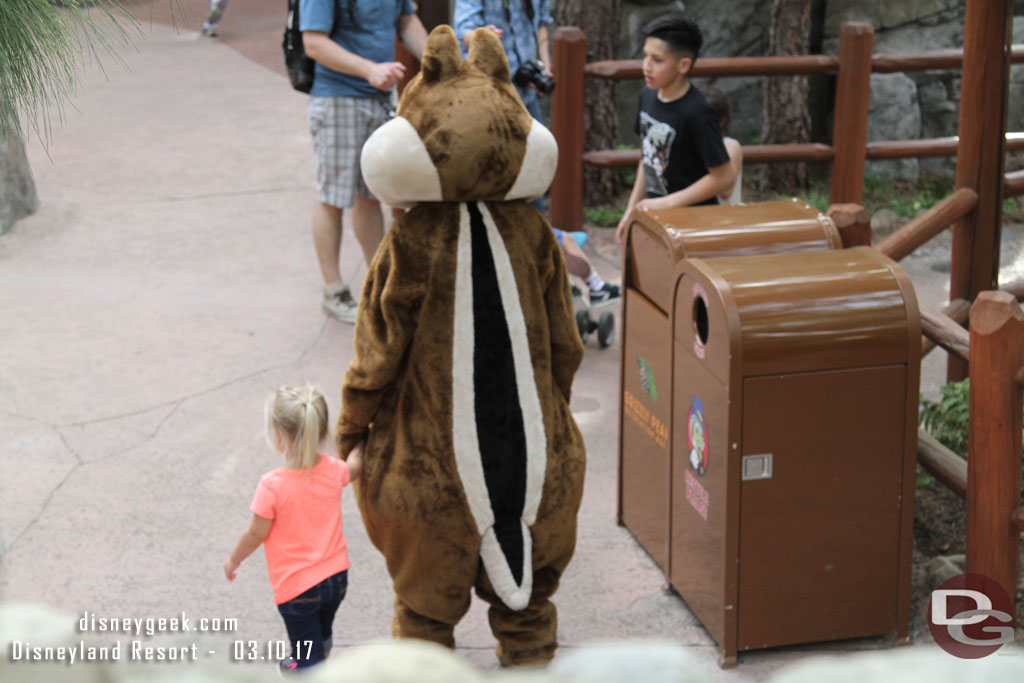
(338, 304)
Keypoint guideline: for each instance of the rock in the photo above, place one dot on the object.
(24, 627)
(942, 569)
(904, 665)
(396, 661)
(884, 14)
(650, 661)
(17, 189)
(894, 115)
(884, 222)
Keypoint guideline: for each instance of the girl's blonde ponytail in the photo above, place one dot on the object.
(299, 414)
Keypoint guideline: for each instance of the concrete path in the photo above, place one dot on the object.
(165, 287)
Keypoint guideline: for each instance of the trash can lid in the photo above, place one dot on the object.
(799, 312)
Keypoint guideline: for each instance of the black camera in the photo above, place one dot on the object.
(532, 71)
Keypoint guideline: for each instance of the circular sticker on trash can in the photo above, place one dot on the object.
(697, 437)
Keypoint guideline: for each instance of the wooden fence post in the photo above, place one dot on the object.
(980, 153)
(994, 438)
(853, 222)
(567, 109)
(850, 120)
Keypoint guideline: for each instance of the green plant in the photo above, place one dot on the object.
(604, 216)
(41, 42)
(947, 418)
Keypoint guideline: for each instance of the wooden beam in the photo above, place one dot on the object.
(567, 104)
(947, 466)
(929, 224)
(994, 439)
(1013, 184)
(957, 311)
(980, 158)
(752, 154)
(850, 122)
(944, 331)
(853, 222)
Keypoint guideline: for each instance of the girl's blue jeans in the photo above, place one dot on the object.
(309, 618)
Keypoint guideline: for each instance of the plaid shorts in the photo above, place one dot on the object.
(340, 126)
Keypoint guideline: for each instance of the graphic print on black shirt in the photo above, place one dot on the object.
(681, 140)
(657, 139)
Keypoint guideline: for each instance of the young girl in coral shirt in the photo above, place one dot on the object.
(297, 518)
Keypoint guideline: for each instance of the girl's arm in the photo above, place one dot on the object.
(354, 460)
(635, 196)
(250, 539)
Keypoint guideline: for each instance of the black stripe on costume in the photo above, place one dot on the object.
(499, 417)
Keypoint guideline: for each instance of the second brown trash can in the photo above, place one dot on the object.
(795, 386)
(656, 241)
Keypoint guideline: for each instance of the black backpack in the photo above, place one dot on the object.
(299, 66)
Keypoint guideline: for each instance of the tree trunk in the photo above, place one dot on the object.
(600, 22)
(17, 189)
(785, 114)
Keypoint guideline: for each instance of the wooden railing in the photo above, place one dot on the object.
(847, 153)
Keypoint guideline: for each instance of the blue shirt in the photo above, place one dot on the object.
(371, 35)
(520, 34)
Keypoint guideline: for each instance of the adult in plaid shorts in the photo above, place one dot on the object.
(353, 45)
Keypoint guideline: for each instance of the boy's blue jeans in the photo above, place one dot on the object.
(309, 618)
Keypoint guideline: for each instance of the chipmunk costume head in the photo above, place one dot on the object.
(466, 348)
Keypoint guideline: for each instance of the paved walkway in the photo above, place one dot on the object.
(165, 287)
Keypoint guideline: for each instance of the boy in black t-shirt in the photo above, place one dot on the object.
(683, 159)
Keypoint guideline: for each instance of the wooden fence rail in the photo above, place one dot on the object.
(929, 224)
(847, 155)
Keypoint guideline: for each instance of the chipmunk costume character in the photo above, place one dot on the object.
(466, 348)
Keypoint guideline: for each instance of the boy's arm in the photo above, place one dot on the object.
(320, 48)
(412, 34)
(634, 198)
(717, 180)
(250, 539)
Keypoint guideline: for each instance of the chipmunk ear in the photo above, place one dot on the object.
(441, 55)
(487, 54)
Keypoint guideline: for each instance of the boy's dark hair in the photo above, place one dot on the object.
(682, 35)
(719, 103)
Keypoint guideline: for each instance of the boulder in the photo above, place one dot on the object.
(894, 114)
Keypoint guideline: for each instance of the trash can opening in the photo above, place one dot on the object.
(700, 319)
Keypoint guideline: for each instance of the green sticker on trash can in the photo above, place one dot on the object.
(697, 437)
(647, 379)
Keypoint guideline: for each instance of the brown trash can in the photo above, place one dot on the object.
(795, 386)
(656, 241)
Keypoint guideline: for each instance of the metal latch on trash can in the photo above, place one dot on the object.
(757, 466)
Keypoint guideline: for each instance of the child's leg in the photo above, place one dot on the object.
(334, 592)
(301, 618)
